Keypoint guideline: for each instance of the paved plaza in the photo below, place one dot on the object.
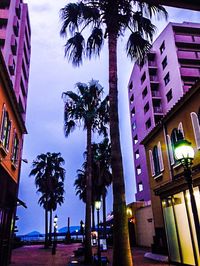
(36, 255)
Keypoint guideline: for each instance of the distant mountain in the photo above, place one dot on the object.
(72, 229)
(33, 233)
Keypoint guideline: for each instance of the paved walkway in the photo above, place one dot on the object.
(37, 255)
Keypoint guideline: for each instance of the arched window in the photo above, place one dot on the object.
(175, 136)
(196, 127)
(156, 160)
(5, 129)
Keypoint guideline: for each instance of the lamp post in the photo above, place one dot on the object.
(82, 226)
(184, 153)
(98, 207)
(55, 226)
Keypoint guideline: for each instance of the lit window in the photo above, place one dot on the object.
(133, 111)
(167, 79)
(137, 154)
(140, 186)
(134, 125)
(164, 62)
(5, 130)
(15, 148)
(132, 99)
(162, 47)
(139, 170)
(131, 86)
(135, 139)
(169, 95)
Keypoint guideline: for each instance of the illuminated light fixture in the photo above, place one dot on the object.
(184, 151)
(97, 205)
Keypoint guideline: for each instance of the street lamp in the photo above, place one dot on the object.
(184, 153)
(55, 226)
(82, 226)
(98, 207)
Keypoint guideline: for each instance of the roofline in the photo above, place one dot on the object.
(11, 94)
(174, 109)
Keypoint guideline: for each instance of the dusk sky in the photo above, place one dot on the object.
(50, 75)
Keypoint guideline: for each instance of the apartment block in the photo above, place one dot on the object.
(15, 39)
(170, 69)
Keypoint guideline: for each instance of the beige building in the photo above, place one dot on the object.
(170, 197)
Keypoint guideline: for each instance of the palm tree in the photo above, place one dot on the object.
(102, 173)
(49, 180)
(110, 19)
(87, 107)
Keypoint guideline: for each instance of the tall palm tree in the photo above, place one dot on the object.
(49, 180)
(102, 173)
(110, 19)
(86, 107)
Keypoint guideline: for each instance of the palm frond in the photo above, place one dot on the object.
(95, 42)
(69, 127)
(74, 49)
(137, 47)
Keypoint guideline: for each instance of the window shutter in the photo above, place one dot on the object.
(8, 135)
(170, 150)
(196, 128)
(3, 122)
(160, 157)
(151, 163)
(180, 127)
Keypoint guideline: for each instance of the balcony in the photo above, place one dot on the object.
(155, 94)
(4, 4)
(18, 9)
(11, 65)
(16, 26)
(187, 41)
(2, 36)
(153, 78)
(190, 72)
(3, 14)
(158, 109)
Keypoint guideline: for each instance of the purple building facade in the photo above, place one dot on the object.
(15, 39)
(171, 68)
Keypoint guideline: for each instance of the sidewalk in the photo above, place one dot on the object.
(38, 256)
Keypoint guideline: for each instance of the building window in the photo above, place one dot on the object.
(148, 123)
(5, 129)
(135, 139)
(169, 95)
(156, 160)
(131, 86)
(144, 93)
(164, 62)
(146, 107)
(140, 186)
(15, 148)
(176, 135)
(137, 154)
(134, 125)
(133, 111)
(167, 79)
(132, 99)
(196, 127)
(143, 77)
(162, 47)
(139, 170)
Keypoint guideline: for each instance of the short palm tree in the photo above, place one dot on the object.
(110, 19)
(49, 180)
(86, 106)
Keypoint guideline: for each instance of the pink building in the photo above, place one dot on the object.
(15, 39)
(171, 68)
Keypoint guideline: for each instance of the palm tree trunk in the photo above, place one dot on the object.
(93, 217)
(121, 245)
(104, 216)
(50, 227)
(88, 247)
(46, 229)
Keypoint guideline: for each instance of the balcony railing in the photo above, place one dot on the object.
(153, 78)
(4, 3)
(158, 109)
(155, 93)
